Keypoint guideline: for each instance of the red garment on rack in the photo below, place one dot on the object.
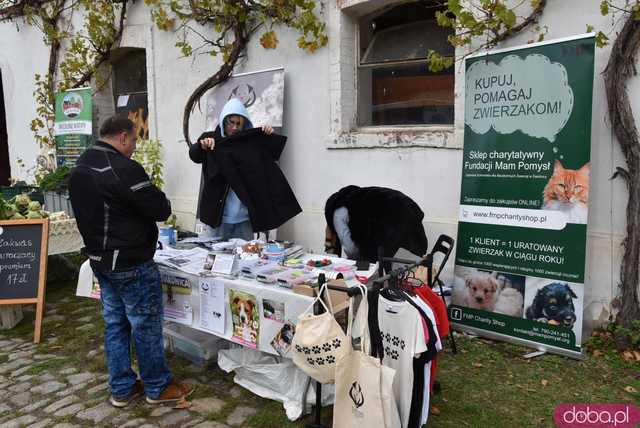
(439, 309)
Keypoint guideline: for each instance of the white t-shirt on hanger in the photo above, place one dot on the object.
(402, 339)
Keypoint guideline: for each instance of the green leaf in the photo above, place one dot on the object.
(269, 40)
(601, 39)
(604, 7)
(438, 62)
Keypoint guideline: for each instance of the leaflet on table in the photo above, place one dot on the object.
(212, 305)
(189, 261)
(176, 296)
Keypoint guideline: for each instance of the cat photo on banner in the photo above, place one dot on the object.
(568, 191)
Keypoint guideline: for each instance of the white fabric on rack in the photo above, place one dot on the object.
(403, 339)
(432, 317)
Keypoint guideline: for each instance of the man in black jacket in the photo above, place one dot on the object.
(116, 209)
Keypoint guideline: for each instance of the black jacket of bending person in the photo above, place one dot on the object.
(246, 163)
(116, 208)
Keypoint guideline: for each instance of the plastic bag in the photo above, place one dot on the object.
(272, 377)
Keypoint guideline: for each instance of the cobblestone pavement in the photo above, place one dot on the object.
(61, 382)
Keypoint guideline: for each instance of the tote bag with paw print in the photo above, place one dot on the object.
(319, 341)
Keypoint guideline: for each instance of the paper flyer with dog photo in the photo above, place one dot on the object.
(282, 341)
(245, 317)
(524, 198)
(273, 310)
(176, 295)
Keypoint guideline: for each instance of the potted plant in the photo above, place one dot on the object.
(54, 185)
(21, 207)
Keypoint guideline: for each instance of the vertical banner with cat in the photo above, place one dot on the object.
(73, 124)
(522, 232)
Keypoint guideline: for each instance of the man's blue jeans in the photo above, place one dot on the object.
(132, 305)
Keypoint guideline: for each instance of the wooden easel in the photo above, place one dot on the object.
(42, 274)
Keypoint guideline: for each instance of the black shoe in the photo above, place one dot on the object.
(136, 392)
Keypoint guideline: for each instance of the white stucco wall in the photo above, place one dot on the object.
(22, 54)
(318, 104)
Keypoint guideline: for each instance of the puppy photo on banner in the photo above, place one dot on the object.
(555, 302)
(489, 291)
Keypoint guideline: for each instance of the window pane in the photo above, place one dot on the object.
(405, 95)
(407, 42)
(130, 73)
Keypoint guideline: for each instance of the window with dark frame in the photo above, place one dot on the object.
(395, 86)
(130, 88)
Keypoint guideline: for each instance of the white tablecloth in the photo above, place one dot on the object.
(294, 305)
(183, 306)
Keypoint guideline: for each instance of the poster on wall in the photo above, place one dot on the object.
(261, 92)
(522, 232)
(72, 125)
(135, 107)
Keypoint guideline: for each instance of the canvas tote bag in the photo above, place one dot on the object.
(319, 341)
(364, 387)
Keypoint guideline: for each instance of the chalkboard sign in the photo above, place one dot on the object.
(23, 264)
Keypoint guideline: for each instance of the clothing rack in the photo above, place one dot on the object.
(443, 245)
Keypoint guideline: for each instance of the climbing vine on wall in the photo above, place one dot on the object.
(220, 28)
(224, 28)
(483, 24)
(80, 35)
(621, 67)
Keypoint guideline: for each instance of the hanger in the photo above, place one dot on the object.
(413, 281)
(406, 283)
(392, 290)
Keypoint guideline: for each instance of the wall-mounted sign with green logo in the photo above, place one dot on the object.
(520, 259)
(73, 124)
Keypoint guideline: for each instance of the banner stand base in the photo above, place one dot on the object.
(578, 355)
(534, 354)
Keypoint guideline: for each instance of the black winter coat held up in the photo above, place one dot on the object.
(246, 163)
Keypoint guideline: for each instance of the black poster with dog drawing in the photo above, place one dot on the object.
(522, 231)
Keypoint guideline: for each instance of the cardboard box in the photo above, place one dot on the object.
(339, 300)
